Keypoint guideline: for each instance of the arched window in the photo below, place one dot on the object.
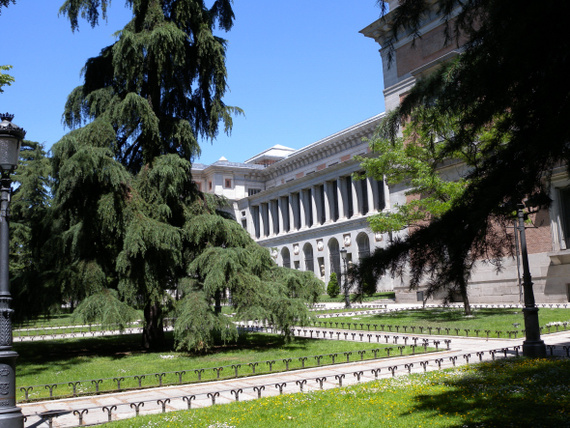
(363, 243)
(334, 255)
(309, 260)
(286, 256)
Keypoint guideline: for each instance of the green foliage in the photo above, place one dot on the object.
(105, 308)
(29, 213)
(198, 327)
(258, 289)
(5, 3)
(160, 85)
(368, 289)
(5, 79)
(416, 158)
(333, 289)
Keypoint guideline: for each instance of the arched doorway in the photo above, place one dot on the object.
(334, 255)
(309, 259)
(286, 257)
(363, 243)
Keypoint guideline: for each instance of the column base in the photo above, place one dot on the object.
(534, 349)
(11, 418)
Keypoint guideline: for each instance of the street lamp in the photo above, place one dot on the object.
(10, 141)
(533, 346)
(343, 254)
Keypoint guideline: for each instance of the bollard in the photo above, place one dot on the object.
(189, 399)
(163, 404)
(109, 411)
(280, 386)
(258, 389)
(236, 392)
(213, 396)
(339, 378)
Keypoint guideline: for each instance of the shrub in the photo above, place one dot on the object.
(333, 289)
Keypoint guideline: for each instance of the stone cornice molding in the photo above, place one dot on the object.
(381, 29)
(327, 147)
(312, 154)
(294, 186)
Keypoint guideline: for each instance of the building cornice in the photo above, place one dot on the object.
(381, 29)
(326, 147)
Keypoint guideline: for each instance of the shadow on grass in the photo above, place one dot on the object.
(60, 354)
(442, 315)
(507, 393)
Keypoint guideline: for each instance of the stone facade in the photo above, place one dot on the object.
(304, 205)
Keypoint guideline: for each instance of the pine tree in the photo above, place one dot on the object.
(130, 219)
(30, 205)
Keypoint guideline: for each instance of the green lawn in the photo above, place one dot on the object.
(86, 359)
(419, 321)
(375, 296)
(505, 393)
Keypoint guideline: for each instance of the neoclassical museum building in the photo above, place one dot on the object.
(305, 205)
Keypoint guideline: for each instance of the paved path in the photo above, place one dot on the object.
(101, 408)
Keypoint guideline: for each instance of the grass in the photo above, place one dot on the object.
(504, 393)
(340, 298)
(86, 359)
(493, 320)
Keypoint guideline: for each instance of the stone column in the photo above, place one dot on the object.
(302, 209)
(295, 202)
(262, 220)
(314, 209)
(290, 211)
(326, 194)
(281, 214)
(370, 188)
(355, 198)
(342, 195)
(308, 216)
(270, 218)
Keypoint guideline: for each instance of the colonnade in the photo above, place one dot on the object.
(319, 204)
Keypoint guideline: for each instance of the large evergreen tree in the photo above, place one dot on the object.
(511, 77)
(130, 218)
(29, 209)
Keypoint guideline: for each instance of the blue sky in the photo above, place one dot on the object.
(299, 69)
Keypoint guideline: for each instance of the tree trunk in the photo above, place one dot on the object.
(218, 302)
(465, 297)
(153, 332)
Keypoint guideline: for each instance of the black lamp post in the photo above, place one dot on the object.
(10, 140)
(533, 346)
(343, 254)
